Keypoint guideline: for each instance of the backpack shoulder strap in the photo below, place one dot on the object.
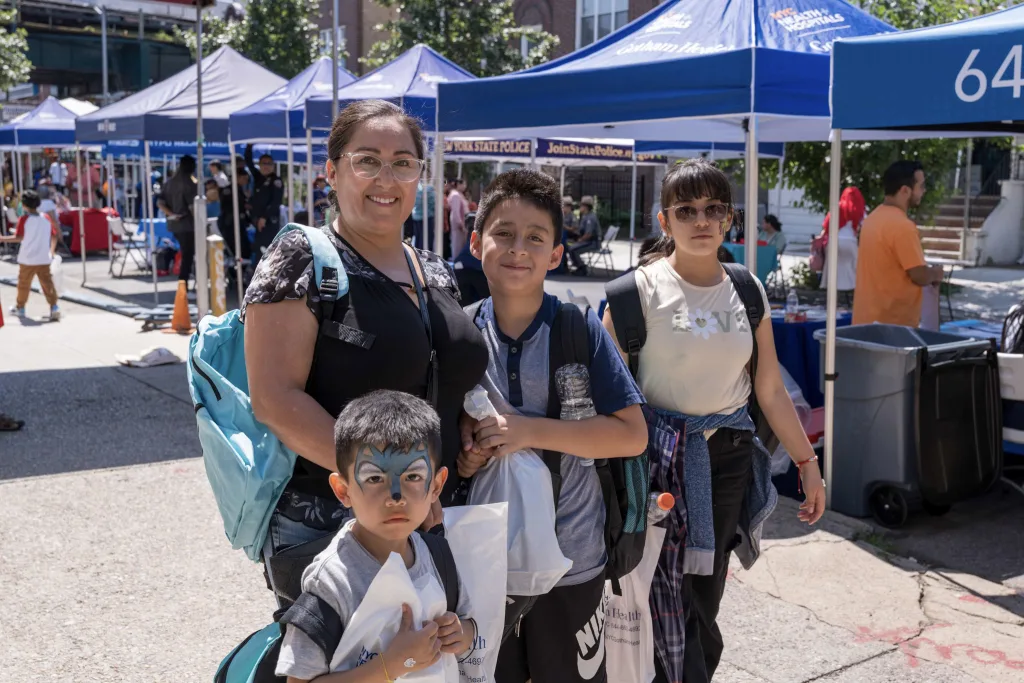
(441, 553)
(473, 310)
(628, 317)
(313, 616)
(568, 344)
(750, 295)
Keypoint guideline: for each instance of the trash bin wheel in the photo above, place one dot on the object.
(889, 507)
(935, 509)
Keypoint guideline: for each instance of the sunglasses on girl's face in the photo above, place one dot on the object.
(688, 214)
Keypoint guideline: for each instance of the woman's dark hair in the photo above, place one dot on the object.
(539, 189)
(355, 115)
(187, 166)
(771, 220)
(688, 181)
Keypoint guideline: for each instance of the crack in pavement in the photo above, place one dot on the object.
(847, 667)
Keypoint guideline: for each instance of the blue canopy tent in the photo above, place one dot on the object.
(51, 124)
(170, 110)
(729, 71)
(410, 81)
(167, 110)
(971, 86)
(279, 117)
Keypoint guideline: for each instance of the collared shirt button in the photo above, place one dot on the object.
(512, 376)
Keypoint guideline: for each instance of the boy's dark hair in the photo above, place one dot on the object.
(217, 164)
(242, 173)
(30, 199)
(900, 173)
(386, 417)
(531, 186)
(210, 181)
(265, 156)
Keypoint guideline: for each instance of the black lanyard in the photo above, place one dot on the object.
(423, 298)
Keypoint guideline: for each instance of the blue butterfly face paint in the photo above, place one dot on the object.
(395, 468)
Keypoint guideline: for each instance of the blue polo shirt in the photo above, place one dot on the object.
(517, 382)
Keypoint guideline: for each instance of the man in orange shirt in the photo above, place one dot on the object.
(891, 269)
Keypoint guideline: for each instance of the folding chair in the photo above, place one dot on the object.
(128, 245)
(604, 254)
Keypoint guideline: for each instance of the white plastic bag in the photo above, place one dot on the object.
(57, 273)
(780, 458)
(476, 534)
(628, 628)
(375, 622)
(521, 479)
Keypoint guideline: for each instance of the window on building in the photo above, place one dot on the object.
(325, 40)
(525, 44)
(597, 18)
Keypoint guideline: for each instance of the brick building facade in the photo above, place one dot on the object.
(578, 22)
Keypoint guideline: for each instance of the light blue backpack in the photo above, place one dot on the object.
(248, 467)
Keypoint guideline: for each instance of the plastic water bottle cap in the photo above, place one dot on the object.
(666, 501)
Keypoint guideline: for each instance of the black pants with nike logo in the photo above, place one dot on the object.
(560, 640)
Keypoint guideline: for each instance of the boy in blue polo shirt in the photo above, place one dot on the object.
(518, 238)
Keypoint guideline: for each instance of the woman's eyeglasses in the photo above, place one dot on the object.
(406, 170)
(688, 214)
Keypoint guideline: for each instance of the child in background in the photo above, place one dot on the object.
(37, 234)
(388, 451)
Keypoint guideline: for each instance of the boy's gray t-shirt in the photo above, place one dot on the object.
(341, 575)
(517, 382)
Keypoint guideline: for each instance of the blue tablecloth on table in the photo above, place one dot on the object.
(767, 257)
(800, 353)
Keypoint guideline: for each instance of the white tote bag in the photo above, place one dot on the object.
(628, 628)
(521, 479)
(375, 622)
(57, 273)
(476, 534)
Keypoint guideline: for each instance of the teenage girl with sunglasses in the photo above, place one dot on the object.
(693, 372)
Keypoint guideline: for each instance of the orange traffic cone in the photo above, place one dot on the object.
(181, 321)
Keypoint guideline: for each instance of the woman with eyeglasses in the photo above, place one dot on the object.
(400, 327)
(693, 369)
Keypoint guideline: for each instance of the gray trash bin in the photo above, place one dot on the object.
(876, 469)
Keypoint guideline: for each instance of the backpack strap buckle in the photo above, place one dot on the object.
(328, 284)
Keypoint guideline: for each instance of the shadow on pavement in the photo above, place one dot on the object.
(91, 418)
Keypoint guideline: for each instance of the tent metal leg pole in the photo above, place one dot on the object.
(309, 176)
(782, 181)
(561, 181)
(439, 195)
(147, 213)
(290, 187)
(632, 211)
(835, 179)
(237, 225)
(750, 205)
(81, 209)
(110, 204)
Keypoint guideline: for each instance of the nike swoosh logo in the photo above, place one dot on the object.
(588, 667)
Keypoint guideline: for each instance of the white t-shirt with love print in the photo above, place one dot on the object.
(698, 343)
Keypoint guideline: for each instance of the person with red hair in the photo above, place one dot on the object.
(851, 215)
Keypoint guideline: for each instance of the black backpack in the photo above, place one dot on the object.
(625, 482)
(631, 330)
(255, 658)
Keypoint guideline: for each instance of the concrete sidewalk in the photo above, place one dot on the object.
(115, 566)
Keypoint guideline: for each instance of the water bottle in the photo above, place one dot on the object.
(792, 305)
(659, 506)
(572, 382)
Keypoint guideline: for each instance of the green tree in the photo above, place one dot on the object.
(14, 63)
(279, 35)
(865, 162)
(481, 37)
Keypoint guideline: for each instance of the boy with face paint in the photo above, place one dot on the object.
(388, 472)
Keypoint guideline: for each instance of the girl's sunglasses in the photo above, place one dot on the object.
(687, 214)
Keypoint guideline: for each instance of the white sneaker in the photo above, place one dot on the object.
(54, 314)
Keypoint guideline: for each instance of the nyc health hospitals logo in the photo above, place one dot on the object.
(672, 20)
